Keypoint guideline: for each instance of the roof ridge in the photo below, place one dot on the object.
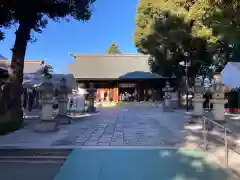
(2, 57)
(105, 54)
(27, 61)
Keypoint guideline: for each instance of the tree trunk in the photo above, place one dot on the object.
(14, 114)
(17, 64)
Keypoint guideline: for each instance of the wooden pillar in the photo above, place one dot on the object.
(141, 91)
(145, 94)
(137, 91)
(115, 95)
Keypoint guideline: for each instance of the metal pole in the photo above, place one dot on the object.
(209, 106)
(204, 134)
(226, 147)
(186, 71)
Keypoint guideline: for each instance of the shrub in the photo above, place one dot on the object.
(233, 97)
(9, 122)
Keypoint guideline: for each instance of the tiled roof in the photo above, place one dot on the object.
(111, 66)
(2, 57)
(138, 74)
(35, 79)
(30, 66)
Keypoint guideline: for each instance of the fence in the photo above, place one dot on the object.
(208, 125)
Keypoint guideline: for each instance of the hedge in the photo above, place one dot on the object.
(9, 124)
(233, 104)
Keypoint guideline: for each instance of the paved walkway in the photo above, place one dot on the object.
(140, 164)
(128, 129)
(142, 125)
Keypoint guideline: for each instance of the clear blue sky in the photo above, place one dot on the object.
(112, 20)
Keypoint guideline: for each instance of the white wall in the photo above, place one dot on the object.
(231, 75)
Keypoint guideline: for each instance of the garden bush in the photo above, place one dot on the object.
(8, 123)
(233, 104)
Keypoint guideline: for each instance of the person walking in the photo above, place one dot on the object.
(30, 99)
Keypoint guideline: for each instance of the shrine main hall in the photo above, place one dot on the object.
(115, 75)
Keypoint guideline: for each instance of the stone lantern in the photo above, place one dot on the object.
(91, 97)
(218, 99)
(197, 100)
(62, 98)
(167, 105)
(47, 122)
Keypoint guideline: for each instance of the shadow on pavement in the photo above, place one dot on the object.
(140, 164)
(28, 171)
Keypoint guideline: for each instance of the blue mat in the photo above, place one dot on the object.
(138, 164)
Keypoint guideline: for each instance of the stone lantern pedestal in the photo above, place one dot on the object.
(47, 122)
(62, 98)
(62, 117)
(167, 104)
(198, 100)
(174, 99)
(219, 109)
(218, 99)
(91, 97)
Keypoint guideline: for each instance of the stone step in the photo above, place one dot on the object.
(34, 152)
(34, 155)
(34, 159)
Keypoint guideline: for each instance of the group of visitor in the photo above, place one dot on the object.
(30, 99)
(127, 97)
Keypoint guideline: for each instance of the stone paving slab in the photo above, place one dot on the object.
(215, 148)
(140, 164)
(133, 126)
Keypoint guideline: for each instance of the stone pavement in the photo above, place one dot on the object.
(131, 130)
(232, 123)
(141, 125)
(215, 148)
(140, 164)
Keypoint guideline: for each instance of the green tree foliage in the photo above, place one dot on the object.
(113, 49)
(196, 31)
(176, 45)
(32, 16)
(5, 19)
(224, 20)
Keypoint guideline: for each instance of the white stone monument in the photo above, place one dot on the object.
(77, 98)
(218, 99)
(80, 99)
(167, 105)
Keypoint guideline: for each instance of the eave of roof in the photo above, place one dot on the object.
(140, 75)
(26, 61)
(2, 57)
(108, 55)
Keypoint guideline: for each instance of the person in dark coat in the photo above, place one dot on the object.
(25, 98)
(30, 99)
